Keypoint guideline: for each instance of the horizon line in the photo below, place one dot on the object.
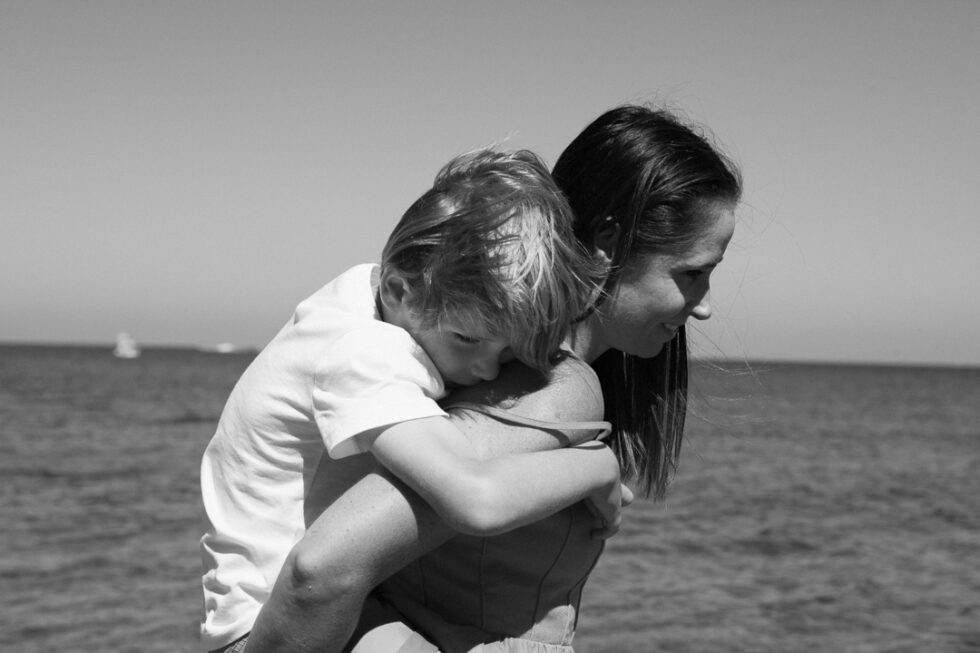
(746, 360)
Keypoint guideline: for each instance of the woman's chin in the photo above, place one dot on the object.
(648, 351)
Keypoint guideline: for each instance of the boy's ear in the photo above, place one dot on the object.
(395, 292)
(606, 240)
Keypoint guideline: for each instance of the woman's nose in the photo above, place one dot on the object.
(702, 310)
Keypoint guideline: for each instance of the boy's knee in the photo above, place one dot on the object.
(316, 579)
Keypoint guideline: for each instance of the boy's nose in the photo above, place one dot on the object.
(487, 368)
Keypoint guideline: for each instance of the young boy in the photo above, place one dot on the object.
(481, 269)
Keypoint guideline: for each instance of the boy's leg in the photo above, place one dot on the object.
(369, 532)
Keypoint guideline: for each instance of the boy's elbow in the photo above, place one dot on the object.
(480, 512)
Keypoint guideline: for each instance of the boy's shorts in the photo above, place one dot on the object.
(396, 637)
(238, 646)
(381, 629)
(387, 634)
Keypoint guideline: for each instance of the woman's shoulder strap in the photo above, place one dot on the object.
(603, 428)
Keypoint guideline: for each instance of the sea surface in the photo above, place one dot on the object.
(817, 508)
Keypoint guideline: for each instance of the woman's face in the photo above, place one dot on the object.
(657, 293)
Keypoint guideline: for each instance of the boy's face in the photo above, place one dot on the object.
(462, 355)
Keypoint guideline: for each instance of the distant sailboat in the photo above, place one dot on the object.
(220, 348)
(126, 347)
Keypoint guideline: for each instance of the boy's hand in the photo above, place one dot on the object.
(607, 502)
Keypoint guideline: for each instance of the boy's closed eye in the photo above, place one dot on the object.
(465, 339)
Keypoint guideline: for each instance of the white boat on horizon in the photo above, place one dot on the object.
(220, 348)
(126, 347)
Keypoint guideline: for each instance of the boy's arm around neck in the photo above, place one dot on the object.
(486, 476)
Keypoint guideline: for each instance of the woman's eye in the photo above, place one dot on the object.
(461, 337)
(694, 274)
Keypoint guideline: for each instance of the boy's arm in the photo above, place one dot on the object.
(491, 496)
(379, 525)
(478, 494)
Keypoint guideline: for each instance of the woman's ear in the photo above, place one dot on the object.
(606, 240)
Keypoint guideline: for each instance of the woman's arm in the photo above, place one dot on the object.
(379, 525)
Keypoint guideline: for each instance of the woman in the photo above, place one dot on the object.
(654, 203)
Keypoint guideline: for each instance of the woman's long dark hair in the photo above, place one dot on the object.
(651, 174)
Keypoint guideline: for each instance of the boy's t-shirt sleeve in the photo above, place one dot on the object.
(374, 376)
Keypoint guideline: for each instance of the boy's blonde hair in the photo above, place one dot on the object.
(491, 245)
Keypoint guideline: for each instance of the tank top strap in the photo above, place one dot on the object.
(604, 428)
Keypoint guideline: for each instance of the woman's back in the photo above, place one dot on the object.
(485, 582)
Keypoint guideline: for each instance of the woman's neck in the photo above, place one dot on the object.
(584, 340)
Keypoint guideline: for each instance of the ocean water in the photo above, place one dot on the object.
(817, 508)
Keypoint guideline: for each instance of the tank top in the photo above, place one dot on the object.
(517, 592)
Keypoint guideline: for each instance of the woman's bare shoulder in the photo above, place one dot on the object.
(570, 393)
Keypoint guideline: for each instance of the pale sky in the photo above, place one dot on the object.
(189, 171)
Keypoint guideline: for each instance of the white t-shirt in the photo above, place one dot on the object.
(334, 372)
